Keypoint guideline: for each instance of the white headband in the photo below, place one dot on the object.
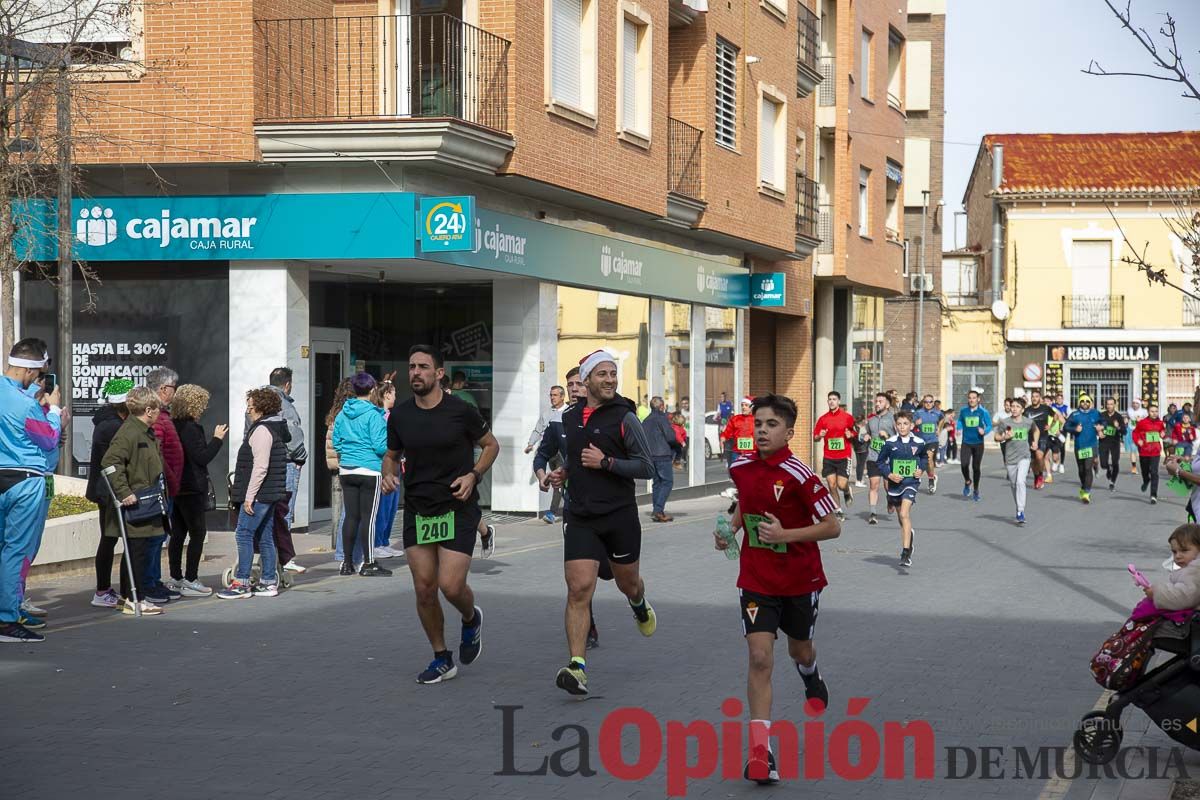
(14, 361)
(593, 360)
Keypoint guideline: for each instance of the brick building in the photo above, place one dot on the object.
(924, 126)
(275, 183)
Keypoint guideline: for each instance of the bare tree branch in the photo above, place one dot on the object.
(1158, 274)
(1172, 64)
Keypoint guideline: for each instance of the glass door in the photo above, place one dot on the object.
(330, 363)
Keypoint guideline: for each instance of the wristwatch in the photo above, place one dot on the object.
(478, 477)
(606, 463)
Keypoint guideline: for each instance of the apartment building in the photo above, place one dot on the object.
(321, 184)
(859, 139)
(1065, 312)
(913, 320)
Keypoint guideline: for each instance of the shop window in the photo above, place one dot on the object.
(581, 333)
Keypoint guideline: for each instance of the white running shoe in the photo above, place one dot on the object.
(106, 599)
(148, 608)
(728, 492)
(383, 552)
(487, 543)
(296, 567)
(29, 609)
(193, 588)
(859, 485)
(396, 552)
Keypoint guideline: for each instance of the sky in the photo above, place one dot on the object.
(1013, 66)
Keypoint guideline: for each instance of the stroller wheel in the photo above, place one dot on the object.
(1098, 738)
(285, 579)
(227, 577)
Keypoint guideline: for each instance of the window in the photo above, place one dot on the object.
(864, 202)
(634, 75)
(607, 305)
(959, 282)
(892, 201)
(895, 58)
(571, 62)
(102, 33)
(977, 375)
(864, 64)
(772, 130)
(726, 100)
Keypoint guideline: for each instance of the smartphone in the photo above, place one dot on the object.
(49, 380)
(1138, 577)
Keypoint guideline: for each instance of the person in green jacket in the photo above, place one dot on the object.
(134, 452)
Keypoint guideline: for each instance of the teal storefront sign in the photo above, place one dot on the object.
(446, 224)
(768, 290)
(377, 225)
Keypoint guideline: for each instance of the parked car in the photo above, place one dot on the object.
(712, 435)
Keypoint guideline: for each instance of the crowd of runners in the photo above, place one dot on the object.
(149, 476)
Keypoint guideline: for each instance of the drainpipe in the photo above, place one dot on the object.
(997, 233)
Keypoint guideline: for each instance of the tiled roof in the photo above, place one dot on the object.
(1099, 163)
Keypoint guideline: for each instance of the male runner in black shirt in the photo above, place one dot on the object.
(437, 433)
(1040, 414)
(606, 452)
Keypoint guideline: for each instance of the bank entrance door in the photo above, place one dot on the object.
(1100, 384)
(330, 362)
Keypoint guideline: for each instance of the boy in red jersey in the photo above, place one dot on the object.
(836, 427)
(785, 510)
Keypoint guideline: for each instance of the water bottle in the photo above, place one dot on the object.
(732, 552)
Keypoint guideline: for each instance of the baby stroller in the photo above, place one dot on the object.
(285, 578)
(1169, 694)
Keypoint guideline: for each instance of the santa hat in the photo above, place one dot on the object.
(593, 360)
(747, 400)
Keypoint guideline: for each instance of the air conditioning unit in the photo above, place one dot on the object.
(920, 283)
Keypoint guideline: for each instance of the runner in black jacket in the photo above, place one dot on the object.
(606, 453)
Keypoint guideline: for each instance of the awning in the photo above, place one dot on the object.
(894, 173)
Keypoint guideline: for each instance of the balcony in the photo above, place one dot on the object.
(684, 175)
(827, 96)
(807, 73)
(1191, 312)
(825, 228)
(1093, 311)
(421, 87)
(807, 224)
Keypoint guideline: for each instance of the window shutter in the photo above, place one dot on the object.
(629, 78)
(726, 99)
(566, 30)
(768, 113)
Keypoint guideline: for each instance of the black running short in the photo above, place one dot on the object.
(457, 534)
(835, 466)
(616, 537)
(795, 615)
(873, 470)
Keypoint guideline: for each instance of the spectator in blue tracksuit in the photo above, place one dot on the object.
(1085, 424)
(29, 611)
(975, 422)
(554, 445)
(29, 435)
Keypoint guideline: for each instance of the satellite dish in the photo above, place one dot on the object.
(1000, 310)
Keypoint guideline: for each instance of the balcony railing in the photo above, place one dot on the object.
(806, 48)
(1093, 311)
(806, 208)
(827, 93)
(1191, 311)
(894, 101)
(825, 228)
(684, 158)
(406, 66)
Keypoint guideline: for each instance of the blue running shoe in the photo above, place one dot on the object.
(472, 639)
(975, 497)
(1021, 518)
(31, 622)
(966, 490)
(440, 669)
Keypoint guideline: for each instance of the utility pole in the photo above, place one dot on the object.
(65, 270)
(921, 293)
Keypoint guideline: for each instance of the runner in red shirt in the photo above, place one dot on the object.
(1148, 435)
(836, 427)
(739, 433)
(785, 510)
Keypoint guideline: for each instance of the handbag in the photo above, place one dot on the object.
(1123, 657)
(151, 505)
(210, 501)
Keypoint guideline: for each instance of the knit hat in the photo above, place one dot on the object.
(116, 390)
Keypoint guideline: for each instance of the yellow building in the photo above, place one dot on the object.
(1066, 312)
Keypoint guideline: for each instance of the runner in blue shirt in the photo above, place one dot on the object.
(1085, 424)
(975, 422)
(901, 461)
(927, 423)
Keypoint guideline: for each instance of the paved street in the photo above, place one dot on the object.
(311, 695)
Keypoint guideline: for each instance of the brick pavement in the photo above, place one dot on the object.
(311, 694)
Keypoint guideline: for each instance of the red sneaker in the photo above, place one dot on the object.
(1039, 481)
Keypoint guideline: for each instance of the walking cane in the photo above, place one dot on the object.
(137, 605)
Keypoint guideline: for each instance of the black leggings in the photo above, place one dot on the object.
(187, 521)
(1149, 467)
(972, 459)
(139, 548)
(1086, 471)
(104, 562)
(860, 463)
(1110, 457)
(360, 498)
